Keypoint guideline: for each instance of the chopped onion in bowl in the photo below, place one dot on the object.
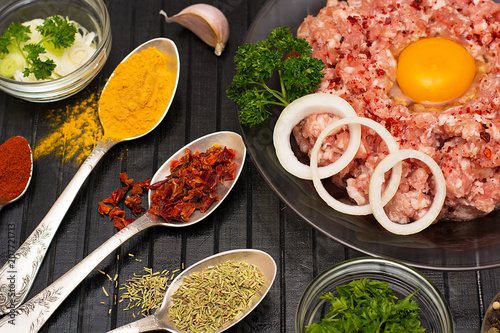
(378, 204)
(297, 111)
(392, 186)
(67, 59)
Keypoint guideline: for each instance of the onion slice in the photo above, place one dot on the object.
(378, 206)
(300, 109)
(392, 185)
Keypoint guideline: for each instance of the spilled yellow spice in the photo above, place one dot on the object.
(132, 103)
(76, 130)
(137, 94)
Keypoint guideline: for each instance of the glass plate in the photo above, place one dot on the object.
(447, 245)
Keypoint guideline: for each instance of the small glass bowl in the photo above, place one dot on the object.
(91, 14)
(491, 321)
(435, 314)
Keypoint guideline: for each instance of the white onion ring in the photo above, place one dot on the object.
(392, 186)
(300, 109)
(378, 206)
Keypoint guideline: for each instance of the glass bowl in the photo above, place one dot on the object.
(91, 14)
(447, 245)
(435, 314)
(491, 321)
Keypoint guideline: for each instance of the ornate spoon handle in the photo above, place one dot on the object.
(18, 273)
(147, 324)
(31, 316)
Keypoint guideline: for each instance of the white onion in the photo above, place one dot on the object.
(88, 38)
(75, 56)
(300, 109)
(392, 186)
(378, 206)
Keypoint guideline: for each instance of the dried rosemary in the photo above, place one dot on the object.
(208, 300)
(145, 292)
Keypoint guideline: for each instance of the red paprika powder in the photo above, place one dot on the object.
(15, 168)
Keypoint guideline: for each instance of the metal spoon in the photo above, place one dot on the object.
(490, 320)
(30, 316)
(26, 261)
(161, 321)
(5, 203)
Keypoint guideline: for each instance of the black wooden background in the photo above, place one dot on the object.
(252, 217)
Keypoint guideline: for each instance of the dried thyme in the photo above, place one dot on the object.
(208, 300)
(145, 293)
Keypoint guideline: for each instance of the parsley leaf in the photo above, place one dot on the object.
(41, 69)
(368, 306)
(14, 35)
(283, 55)
(32, 51)
(58, 31)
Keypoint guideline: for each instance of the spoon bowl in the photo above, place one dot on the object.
(161, 321)
(228, 139)
(29, 256)
(169, 49)
(492, 316)
(31, 316)
(5, 203)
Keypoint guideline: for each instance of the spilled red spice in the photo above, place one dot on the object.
(15, 168)
(109, 206)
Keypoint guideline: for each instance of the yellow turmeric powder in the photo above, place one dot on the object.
(136, 96)
(75, 130)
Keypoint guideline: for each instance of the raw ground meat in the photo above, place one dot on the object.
(359, 41)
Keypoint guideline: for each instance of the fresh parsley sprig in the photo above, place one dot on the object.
(283, 55)
(56, 32)
(368, 306)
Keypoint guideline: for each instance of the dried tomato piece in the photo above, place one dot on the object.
(117, 196)
(158, 184)
(226, 155)
(187, 210)
(134, 203)
(125, 180)
(120, 222)
(205, 203)
(139, 187)
(209, 160)
(104, 209)
(116, 211)
(230, 172)
(181, 162)
(195, 181)
(212, 182)
(192, 183)
(197, 193)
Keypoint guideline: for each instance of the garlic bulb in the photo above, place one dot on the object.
(206, 22)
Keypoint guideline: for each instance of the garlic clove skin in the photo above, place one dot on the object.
(205, 21)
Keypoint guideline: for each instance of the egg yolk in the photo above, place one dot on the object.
(435, 70)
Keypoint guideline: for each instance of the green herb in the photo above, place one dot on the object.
(57, 33)
(146, 292)
(208, 300)
(368, 306)
(289, 57)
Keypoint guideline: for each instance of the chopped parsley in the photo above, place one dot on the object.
(368, 306)
(57, 33)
